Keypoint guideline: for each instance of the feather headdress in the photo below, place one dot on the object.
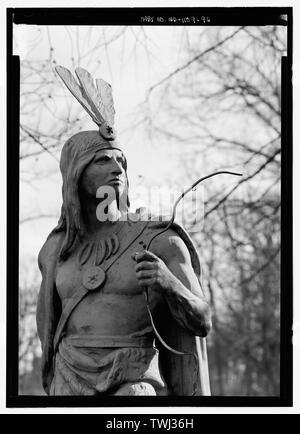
(96, 98)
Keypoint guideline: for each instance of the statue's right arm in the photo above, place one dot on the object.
(48, 304)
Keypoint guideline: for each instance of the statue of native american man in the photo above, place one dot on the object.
(115, 317)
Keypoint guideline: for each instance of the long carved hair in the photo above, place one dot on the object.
(77, 153)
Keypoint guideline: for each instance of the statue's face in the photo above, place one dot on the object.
(106, 169)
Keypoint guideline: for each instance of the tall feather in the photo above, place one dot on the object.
(77, 91)
(105, 93)
(91, 93)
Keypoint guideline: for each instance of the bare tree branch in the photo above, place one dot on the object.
(187, 64)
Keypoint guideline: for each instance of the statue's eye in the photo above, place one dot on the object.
(103, 159)
(121, 161)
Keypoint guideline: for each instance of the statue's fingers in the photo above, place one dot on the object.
(146, 282)
(145, 255)
(144, 265)
(145, 274)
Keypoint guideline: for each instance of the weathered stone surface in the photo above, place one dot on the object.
(92, 317)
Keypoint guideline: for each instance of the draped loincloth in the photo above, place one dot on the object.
(84, 370)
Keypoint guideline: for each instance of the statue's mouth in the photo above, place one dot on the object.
(117, 181)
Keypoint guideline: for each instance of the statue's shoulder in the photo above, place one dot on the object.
(168, 243)
(172, 241)
(159, 223)
(169, 238)
(50, 249)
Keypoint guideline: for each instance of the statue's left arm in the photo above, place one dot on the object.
(167, 269)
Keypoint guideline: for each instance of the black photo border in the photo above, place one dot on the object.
(225, 16)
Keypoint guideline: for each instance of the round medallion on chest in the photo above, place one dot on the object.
(93, 278)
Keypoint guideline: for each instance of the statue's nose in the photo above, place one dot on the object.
(117, 167)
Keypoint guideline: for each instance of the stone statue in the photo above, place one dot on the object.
(113, 317)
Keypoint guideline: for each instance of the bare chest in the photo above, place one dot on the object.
(118, 306)
(115, 260)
